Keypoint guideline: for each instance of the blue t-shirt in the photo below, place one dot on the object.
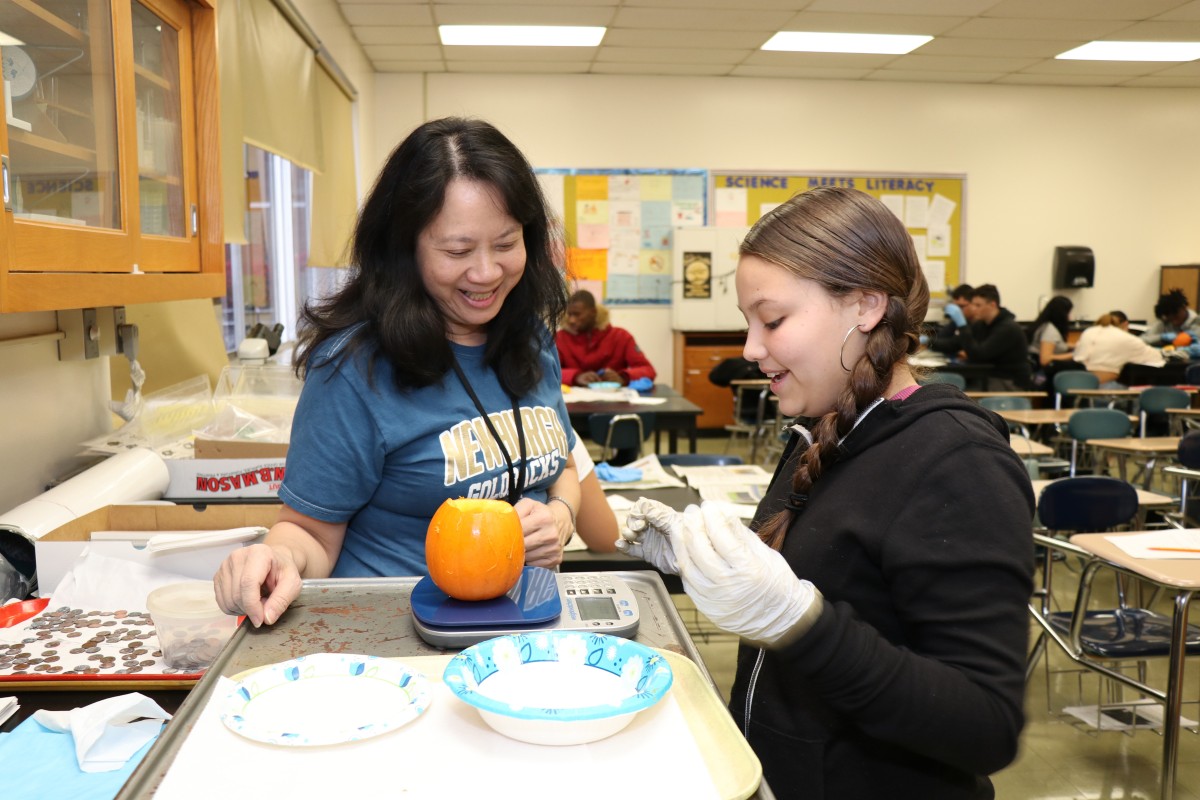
(383, 460)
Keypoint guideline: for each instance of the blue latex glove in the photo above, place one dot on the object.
(1168, 338)
(956, 315)
(641, 385)
(923, 339)
(610, 474)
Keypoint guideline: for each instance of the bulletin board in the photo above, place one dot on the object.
(620, 225)
(931, 207)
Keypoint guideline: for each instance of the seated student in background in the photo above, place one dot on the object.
(591, 350)
(1106, 347)
(1173, 318)
(595, 522)
(944, 338)
(1048, 348)
(994, 338)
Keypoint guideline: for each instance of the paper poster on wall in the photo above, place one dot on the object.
(619, 225)
(930, 206)
(697, 275)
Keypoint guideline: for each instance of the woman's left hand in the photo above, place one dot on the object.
(543, 534)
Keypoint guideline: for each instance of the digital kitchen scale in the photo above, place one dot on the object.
(542, 600)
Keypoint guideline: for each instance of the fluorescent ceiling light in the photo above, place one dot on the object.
(1134, 51)
(7, 40)
(816, 42)
(521, 35)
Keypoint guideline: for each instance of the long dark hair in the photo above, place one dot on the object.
(1057, 312)
(845, 240)
(385, 290)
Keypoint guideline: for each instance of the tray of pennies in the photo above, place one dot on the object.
(67, 648)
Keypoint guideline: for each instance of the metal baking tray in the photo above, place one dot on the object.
(370, 616)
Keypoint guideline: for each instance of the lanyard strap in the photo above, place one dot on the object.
(518, 488)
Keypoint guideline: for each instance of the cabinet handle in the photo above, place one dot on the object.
(195, 220)
(4, 180)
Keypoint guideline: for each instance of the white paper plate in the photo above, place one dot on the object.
(326, 698)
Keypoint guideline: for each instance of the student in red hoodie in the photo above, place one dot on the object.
(592, 351)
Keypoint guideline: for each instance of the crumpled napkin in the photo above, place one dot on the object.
(610, 474)
(108, 732)
(642, 385)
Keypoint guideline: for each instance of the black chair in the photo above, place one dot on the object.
(699, 460)
(1188, 469)
(621, 432)
(1191, 375)
(1091, 637)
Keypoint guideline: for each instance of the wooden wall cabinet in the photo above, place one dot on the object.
(110, 154)
(1185, 277)
(696, 353)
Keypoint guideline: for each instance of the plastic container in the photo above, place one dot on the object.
(191, 628)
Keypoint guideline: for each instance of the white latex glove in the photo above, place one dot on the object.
(647, 534)
(740, 583)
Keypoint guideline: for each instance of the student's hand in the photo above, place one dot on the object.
(647, 534)
(611, 375)
(586, 378)
(956, 315)
(739, 582)
(249, 573)
(543, 540)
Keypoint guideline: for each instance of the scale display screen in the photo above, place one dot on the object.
(591, 608)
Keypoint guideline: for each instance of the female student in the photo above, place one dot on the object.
(882, 598)
(432, 374)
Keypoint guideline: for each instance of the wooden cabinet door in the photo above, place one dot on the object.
(717, 401)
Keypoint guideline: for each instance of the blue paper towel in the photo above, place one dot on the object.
(39, 764)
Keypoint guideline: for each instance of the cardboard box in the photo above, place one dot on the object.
(223, 470)
(57, 550)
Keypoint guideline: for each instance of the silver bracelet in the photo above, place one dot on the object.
(570, 510)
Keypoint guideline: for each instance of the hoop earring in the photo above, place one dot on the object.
(842, 351)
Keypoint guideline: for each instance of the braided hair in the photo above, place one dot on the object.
(844, 240)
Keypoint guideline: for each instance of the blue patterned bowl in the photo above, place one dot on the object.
(605, 386)
(558, 687)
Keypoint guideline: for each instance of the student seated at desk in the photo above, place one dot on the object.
(1173, 317)
(945, 338)
(591, 350)
(1106, 347)
(995, 338)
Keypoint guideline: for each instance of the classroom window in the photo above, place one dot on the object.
(267, 280)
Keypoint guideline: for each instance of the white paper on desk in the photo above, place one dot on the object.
(107, 733)
(746, 474)
(1139, 545)
(446, 752)
(8, 707)
(654, 476)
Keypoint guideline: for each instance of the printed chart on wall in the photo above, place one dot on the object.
(931, 207)
(620, 226)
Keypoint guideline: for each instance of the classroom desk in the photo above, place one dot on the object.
(677, 414)
(1182, 577)
(1038, 417)
(1182, 419)
(1150, 447)
(974, 395)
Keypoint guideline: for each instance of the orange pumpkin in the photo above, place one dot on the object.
(1183, 339)
(475, 549)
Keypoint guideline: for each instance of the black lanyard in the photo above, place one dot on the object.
(518, 488)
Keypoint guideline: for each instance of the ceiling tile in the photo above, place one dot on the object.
(400, 39)
(932, 77)
(701, 20)
(1071, 67)
(961, 63)
(660, 69)
(671, 55)
(409, 66)
(872, 23)
(1187, 11)
(1080, 9)
(552, 68)
(382, 35)
(762, 5)
(1083, 30)
(439, 3)
(1163, 82)
(831, 73)
(1060, 80)
(1160, 31)
(1010, 48)
(521, 15)
(840, 60)
(382, 14)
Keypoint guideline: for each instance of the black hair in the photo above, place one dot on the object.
(1170, 304)
(964, 291)
(385, 290)
(583, 296)
(1057, 312)
(988, 292)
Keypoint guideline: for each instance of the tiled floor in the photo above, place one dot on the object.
(1060, 758)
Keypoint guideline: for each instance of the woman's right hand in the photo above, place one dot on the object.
(260, 581)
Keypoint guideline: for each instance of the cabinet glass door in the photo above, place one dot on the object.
(159, 131)
(60, 111)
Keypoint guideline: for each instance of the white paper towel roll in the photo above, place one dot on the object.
(128, 477)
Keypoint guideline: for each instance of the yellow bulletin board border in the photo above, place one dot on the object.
(619, 226)
(932, 207)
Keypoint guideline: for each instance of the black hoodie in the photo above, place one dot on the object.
(1001, 343)
(910, 684)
